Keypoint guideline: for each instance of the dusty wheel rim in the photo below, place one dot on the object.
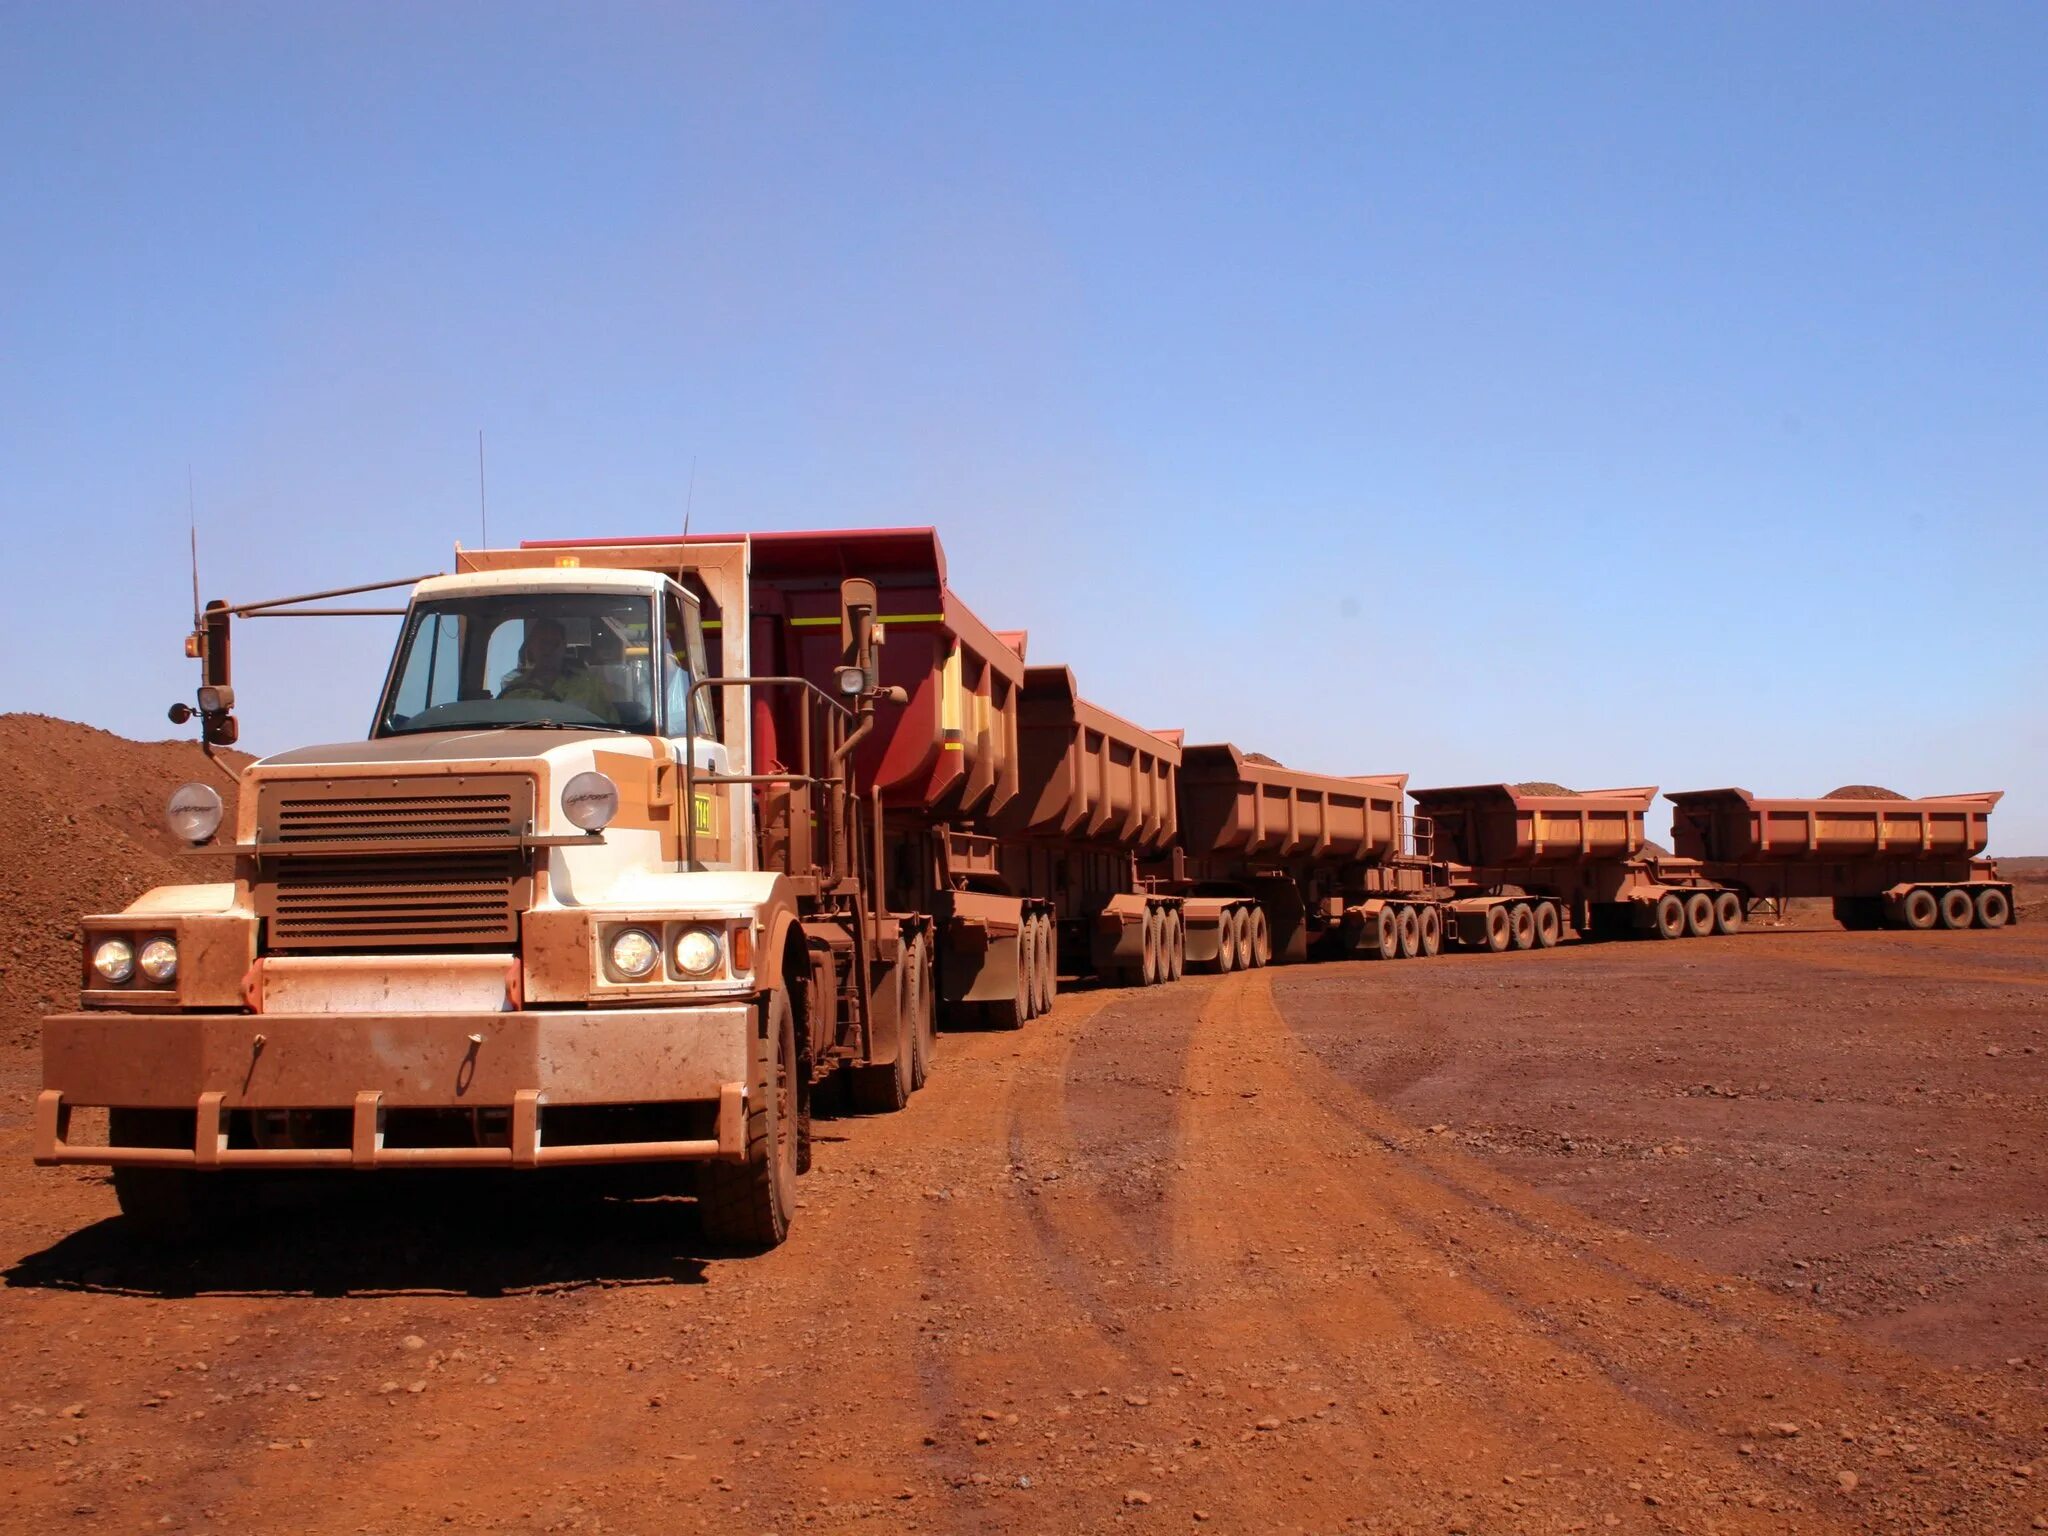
(1048, 964)
(1522, 927)
(1226, 949)
(1261, 938)
(1499, 930)
(1699, 914)
(1389, 933)
(1957, 910)
(1920, 909)
(1727, 912)
(1993, 909)
(1148, 965)
(1670, 916)
(1432, 930)
(1547, 926)
(1411, 933)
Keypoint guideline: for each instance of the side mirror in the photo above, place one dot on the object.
(860, 636)
(208, 645)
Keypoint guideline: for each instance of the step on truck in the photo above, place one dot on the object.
(557, 908)
(1883, 862)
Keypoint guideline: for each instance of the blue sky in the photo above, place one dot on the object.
(1604, 394)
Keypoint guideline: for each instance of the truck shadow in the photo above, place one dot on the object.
(408, 1234)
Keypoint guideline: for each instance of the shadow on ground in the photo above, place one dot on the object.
(410, 1232)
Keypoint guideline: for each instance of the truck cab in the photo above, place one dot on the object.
(526, 921)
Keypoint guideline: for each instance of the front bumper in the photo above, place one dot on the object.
(508, 1066)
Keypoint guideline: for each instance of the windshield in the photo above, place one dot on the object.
(503, 659)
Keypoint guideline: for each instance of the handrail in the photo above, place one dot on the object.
(691, 778)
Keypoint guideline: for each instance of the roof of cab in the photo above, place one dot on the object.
(580, 578)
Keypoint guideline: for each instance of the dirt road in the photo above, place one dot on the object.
(1188, 1258)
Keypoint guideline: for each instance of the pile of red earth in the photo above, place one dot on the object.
(1540, 787)
(1863, 792)
(82, 830)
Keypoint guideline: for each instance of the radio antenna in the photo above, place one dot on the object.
(483, 506)
(192, 527)
(690, 501)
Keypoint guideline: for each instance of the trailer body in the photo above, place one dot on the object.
(1881, 862)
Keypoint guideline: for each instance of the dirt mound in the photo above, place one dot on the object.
(1260, 757)
(1863, 792)
(1655, 850)
(1540, 787)
(81, 830)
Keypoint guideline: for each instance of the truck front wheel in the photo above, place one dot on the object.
(167, 1204)
(747, 1205)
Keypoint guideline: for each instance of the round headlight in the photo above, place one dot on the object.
(852, 680)
(634, 952)
(114, 960)
(194, 812)
(159, 960)
(697, 951)
(590, 800)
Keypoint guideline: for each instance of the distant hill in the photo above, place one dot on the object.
(81, 831)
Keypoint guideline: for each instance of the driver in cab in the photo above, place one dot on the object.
(542, 673)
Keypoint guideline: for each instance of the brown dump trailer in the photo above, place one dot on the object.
(1275, 863)
(1883, 862)
(1526, 865)
(1012, 810)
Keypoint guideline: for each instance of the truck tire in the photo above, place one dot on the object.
(1148, 968)
(1727, 912)
(1226, 942)
(1177, 933)
(1387, 932)
(1522, 926)
(1957, 910)
(1669, 916)
(1549, 926)
(1500, 929)
(1994, 908)
(924, 1039)
(884, 1088)
(1431, 924)
(1029, 948)
(1260, 938)
(1048, 962)
(1246, 959)
(747, 1205)
(1408, 929)
(1918, 909)
(1699, 915)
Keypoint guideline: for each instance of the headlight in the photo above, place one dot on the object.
(114, 960)
(634, 952)
(590, 800)
(698, 951)
(159, 960)
(194, 812)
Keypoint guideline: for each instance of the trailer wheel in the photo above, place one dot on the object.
(1226, 944)
(747, 1205)
(1148, 970)
(1430, 923)
(1522, 926)
(1549, 926)
(1407, 933)
(1994, 910)
(1670, 916)
(1500, 929)
(1957, 910)
(1918, 909)
(1048, 962)
(1387, 934)
(1699, 915)
(1727, 912)
(1177, 935)
(924, 1038)
(884, 1089)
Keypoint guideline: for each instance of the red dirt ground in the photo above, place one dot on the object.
(1742, 1235)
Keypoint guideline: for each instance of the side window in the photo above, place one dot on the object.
(682, 664)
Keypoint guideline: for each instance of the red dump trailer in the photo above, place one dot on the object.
(1275, 863)
(1882, 861)
(1012, 810)
(1527, 863)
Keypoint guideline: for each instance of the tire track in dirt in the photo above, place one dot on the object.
(1660, 1331)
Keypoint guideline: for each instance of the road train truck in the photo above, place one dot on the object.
(556, 908)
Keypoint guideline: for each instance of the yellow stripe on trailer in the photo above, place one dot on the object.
(880, 618)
